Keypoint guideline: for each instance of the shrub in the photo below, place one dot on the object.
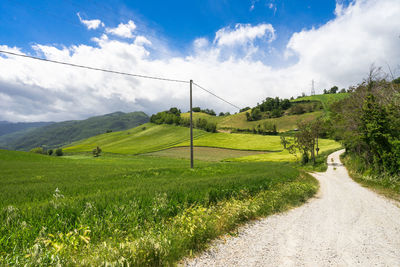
(50, 152)
(96, 152)
(59, 152)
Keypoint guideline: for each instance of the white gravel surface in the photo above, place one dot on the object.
(344, 225)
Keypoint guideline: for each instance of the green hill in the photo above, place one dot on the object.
(148, 137)
(325, 99)
(152, 137)
(62, 133)
(239, 120)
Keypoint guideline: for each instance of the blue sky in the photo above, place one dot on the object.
(25, 22)
(243, 50)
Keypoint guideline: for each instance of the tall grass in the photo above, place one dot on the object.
(130, 210)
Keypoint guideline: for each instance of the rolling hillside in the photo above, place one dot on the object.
(150, 138)
(62, 133)
(325, 99)
(239, 121)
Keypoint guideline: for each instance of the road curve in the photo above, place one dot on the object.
(344, 225)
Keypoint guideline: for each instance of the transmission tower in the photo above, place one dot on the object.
(312, 88)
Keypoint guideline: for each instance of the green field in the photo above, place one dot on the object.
(324, 145)
(238, 141)
(284, 123)
(325, 99)
(150, 138)
(239, 120)
(142, 139)
(204, 153)
(138, 210)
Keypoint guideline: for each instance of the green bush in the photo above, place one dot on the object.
(59, 152)
(50, 152)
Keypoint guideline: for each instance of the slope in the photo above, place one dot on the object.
(145, 138)
(325, 99)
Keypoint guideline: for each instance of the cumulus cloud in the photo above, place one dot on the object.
(123, 30)
(90, 24)
(244, 33)
(337, 53)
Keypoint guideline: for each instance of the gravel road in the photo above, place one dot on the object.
(344, 225)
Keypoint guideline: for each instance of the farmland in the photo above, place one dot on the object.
(239, 121)
(139, 203)
(145, 138)
(123, 209)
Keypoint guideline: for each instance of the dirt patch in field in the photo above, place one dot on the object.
(204, 153)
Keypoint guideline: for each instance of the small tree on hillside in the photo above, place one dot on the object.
(59, 152)
(96, 152)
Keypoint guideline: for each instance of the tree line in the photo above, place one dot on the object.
(173, 116)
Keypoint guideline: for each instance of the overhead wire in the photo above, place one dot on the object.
(93, 68)
(120, 73)
(211, 93)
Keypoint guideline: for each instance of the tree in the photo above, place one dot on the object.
(50, 152)
(333, 90)
(343, 90)
(59, 152)
(244, 109)
(96, 151)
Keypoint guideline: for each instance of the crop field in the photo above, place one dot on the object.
(284, 123)
(204, 153)
(121, 209)
(145, 138)
(238, 141)
(285, 156)
(239, 120)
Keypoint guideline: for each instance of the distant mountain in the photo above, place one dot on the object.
(11, 127)
(62, 133)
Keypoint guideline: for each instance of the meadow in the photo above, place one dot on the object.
(140, 210)
(239, 120)
(146, 138)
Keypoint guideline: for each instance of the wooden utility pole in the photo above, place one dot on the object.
(191, 126)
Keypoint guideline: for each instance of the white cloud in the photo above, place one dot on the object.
(90, 24)
(337, 53)
(244, 33)
(123, 30)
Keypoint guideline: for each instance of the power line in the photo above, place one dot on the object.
(93, 68)
(211, 93)
(119, 72)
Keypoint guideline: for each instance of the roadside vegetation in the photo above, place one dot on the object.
(116, 209)
(368, 124)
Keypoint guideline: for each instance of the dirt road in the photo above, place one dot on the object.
(344, 225)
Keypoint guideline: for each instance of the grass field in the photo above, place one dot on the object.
(238, 141)
(325, 99)
(324, 144)
(160, 137)
(284, 123)
(142, 139)
(239, 120)
(138, 210)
